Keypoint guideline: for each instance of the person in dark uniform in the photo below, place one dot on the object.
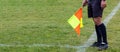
(95, 10)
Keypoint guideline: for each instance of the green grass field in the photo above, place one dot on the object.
(27, 22)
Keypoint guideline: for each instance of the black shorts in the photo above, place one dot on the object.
(94, 9)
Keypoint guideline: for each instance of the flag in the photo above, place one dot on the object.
(76, 21)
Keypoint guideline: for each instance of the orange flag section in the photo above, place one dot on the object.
(78, 14)
(76, 21)
(77, 29)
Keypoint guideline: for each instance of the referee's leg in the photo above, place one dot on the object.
(97, 18)
(102, 28)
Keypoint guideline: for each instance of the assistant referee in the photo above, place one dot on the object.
(95, 11)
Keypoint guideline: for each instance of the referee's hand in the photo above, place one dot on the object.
(84, 3)
(103, 4)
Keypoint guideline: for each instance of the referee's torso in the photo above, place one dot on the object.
(91, 1)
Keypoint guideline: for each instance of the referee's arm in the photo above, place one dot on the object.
(84, 3)
(103, 4)
(103, 0)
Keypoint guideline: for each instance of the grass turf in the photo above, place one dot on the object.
(42, 22)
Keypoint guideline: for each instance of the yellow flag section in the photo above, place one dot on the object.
(76, 21)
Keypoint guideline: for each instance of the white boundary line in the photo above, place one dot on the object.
(93, 36)
(36, 45)
(39, 45)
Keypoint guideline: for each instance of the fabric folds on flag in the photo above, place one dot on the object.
(76, 21)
